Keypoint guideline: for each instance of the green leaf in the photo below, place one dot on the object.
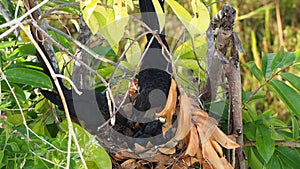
(183, 15)
(264, 142)
(6, 44)
(160, 15)
(201, 19)
(293, 79)
(17, 90)
(257, 96)
(24, 50)
(289, 156)
(283, 59)
(31, 65)
(15, 119)
(94, 154)
(255, 70)
(186, 50)
(275, 163)
(254, 160)
(188, 63)
(289, 96)
(2, 164)
(296, 67)
(61, 40)
(29, 77)
(105, 51)
(250, 131)
(134, 53)
(289, 59)
(93, 14)
(195, 25)
(266, 64)
(278, 60)
(114, 31)
(295, 127)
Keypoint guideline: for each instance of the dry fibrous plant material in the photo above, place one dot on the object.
(197, 138)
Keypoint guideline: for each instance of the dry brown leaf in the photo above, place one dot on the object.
(170, 107)
(138, 148)
(179, 166)
(211, 156)
(160, 166)
(133, 90)
(130, 164)
(160, 158)
(224, 140)
(226, 163)
(149, 145)
(124, 155)
(200, 112)
(193, 143)
(184, 117)
(190, 160)
(167, 151)
(205, 128)
(217, 147)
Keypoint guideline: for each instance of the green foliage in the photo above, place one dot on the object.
(195, 25)
(17, 151)
(28, 76)
(265, 129)
(277, 76)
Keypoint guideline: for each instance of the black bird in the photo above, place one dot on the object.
(154, 80)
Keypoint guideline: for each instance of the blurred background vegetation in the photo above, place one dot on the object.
(264, 27)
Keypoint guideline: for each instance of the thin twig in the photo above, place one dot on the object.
(124, 53)
(60, 92)
(277, 143)
(87, 49)
(79, 61)
(18, 20)
(70, 81)
(57, 8)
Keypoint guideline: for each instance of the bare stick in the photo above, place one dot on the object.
(60, 92)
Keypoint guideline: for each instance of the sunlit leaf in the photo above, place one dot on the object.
(183, 15)
(29, 77)
(160, 15)
(201, 18)
(195, 25)
(289, 96)
(264, 142)
(93, 14)
(21, 51)
(134, 53)
(186, 50)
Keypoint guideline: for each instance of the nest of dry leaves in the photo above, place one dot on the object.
(197, 140)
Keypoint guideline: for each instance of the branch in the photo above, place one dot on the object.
(87, 49)
(277, 143)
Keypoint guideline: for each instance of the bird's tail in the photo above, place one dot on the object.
(154, 58)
